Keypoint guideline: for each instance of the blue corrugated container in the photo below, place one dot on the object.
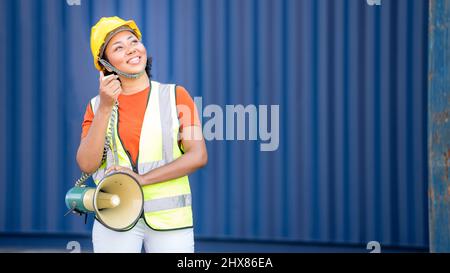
(350, 80)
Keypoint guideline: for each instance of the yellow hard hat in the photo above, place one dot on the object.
(103, 31)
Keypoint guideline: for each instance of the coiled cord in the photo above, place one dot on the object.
(109, 136)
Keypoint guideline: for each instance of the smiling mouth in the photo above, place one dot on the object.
(134, 60)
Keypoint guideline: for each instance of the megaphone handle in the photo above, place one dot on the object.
(73, 209)
(69, 211)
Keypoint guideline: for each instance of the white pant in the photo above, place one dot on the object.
(107, 240)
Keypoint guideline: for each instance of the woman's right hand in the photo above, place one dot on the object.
(109, 90)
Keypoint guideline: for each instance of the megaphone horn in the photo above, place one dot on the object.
(117, 201)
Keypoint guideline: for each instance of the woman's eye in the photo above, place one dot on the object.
(134, 42)
(118, 48)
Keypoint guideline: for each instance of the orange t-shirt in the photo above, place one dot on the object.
(131, 116)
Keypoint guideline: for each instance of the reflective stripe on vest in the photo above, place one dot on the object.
(167, 205)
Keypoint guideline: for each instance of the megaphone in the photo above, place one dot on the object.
(117, 201)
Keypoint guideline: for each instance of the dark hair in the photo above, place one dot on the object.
(148, 67)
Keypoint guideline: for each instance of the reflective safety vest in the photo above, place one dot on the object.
(167, 205)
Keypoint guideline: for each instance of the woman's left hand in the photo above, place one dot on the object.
(116, 168)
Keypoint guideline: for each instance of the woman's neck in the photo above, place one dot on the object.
(131, 86)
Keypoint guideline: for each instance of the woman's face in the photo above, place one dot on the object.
(126, 53)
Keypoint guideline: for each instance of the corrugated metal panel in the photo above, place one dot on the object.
(350, 80)
(439, 129)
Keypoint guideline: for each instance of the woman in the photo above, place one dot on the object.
(158, 141)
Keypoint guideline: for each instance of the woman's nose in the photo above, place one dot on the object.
(131, 50)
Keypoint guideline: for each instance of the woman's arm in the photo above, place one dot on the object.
(195, 157)
(90, 151)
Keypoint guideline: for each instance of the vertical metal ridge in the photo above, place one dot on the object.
(425, 91)
(171, 39)
(38, 221)
(411, 232)
(256, 230)
(361, 154)
(332, 94)
(315, 223)
(63, 110)
(199, 69)
(377, 128)
(284, 117)
(3, 117)
(346, 167)
(393, 125)
(10, 157)
(226, 87)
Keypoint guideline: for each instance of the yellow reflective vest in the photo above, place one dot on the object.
(167, 205)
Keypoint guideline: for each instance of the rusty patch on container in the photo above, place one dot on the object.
(446, 163)
(446, 193)
(431, 197)
(436, 138)
(441, 117)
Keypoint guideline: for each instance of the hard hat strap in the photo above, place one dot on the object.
(109, 66)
